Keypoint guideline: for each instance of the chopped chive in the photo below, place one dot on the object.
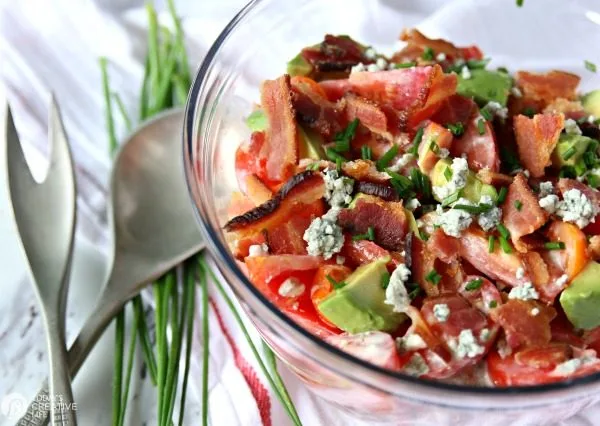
(493, 304)
(474, 284)
(501, 195)
(424, 236)
(569, 153)
(503, 231)
(485, 113)
(475, 64)
(371, 233)
(448, 173)
(414, 293)
(405, 65)
(481, 126)
(457, 129)
(417, 141)
(385, 280)
(333, 155)
(593, 180)
(529, 112)
(428, 54)
(338, 165)
(567, 172)
(518, 205)
(433, 277)
(590, 66)
(342, 139)
(580, 168)
(491, 244)
(366, 152)
(386, 158)
(502, 69)
(335, 284)
(451, 199)
(505, 245)
(425, 186)
(469, 208)
(313, 166)
(520, 3)
(590, 159)
(433, 147)
(554, 245)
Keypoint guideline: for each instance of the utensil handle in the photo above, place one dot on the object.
(62, 406)
(37, 413)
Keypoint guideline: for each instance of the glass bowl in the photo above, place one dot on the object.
(256, 45)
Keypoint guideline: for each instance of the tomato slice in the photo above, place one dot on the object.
(575, 256)
(480, 148)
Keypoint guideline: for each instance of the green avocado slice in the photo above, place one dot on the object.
(581, 300)
(485, 86)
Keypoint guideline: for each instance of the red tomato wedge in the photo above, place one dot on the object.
(247, 160)
(575, 256)
(479, 147)
(264, 269)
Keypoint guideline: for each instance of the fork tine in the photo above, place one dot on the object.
(16, 164)
(60, 157)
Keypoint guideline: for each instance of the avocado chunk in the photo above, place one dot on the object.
(591, 103)
(581, 299)
(299, 66)
(360, 305)
(311, 143)
(569, 150)
(485, 86)
(472, 191)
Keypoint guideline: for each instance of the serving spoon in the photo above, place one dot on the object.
(153, 229)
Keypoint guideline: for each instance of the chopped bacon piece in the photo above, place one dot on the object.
(368, 112)
(423, 262)
(336, 89)
(365, 170)
(376, 347)
(595, 247)
(481, 149)
(528, 218)
(536, 138)
(444, 247)
(287, 237)
(334, 57)
(415, 92)
(482, 297)
(592, 194)
(544, 357)
(414, 37)
(387, 218)
(305, 188)
(525, 323)
(545, 88)
(435, 137)
(455, 109)
(381, 190)
(280, 150)
(314, 110)
(537, 270)
(362, 251)
(571, 109)
(492, 178)
(498, 265)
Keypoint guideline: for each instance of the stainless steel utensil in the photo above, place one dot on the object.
(45, 214)
(152, 223)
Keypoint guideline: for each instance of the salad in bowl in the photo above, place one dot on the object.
(425, 212)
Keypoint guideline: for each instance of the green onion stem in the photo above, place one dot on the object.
(130, 359)
(110, 122)
(144, 335)
(206, 349)
(118, 374)
(122, 111)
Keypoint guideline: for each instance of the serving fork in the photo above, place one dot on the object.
(45, 215)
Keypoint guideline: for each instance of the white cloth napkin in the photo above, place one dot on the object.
(53, 45)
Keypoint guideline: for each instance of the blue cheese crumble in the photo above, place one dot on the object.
(496, 109)
(453, 221)
(402, 162)
(258, 250)
(412, 204)
(441, 312)
(395, 293)
(490, 219)
(416, 366)
(546, 188)
(460, 172)
(549, 203)
(577, 208)
(410, 342)
(465, 73)
(525, 291)
(291, 287)
(571, 127)
(466, 345)
(324, 236)
(338, 189)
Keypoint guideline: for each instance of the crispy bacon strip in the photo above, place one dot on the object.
(368, 112)
(280, 150)
(455, 109)
(521, 326)
(444, 247)
(536, 138)
(545, 88)
(571, 109)
(529, 218)
(387, 218)
(481, 149)
(365, 170)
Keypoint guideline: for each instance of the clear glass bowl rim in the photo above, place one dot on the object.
(223, 256)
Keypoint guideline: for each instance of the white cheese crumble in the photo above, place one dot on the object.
(440, 57)
(370, 53)
(516, 92)
(546, 188)
(324, 236)
(525, 291)
(520, 274)
(465, 72)
(410, 342)
(571, 127)
(373, 68)
(466, 346)
(441, 312)
(443, 153)
(567, 368)
(395, 293)
(402, 161)
(496, 109)
(416, 366)
(412, 204)
(562, 280)
(549, 203)
(340, 260)
(535, 312)
(291, 288)
(485, 334)
(591, 119)
(460, 172)
(338, 189)
(577, 208)
(453, 221)
(381, 63)
(360, 67)
(490, 219)
(258, 250)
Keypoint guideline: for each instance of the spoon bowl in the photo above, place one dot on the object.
(153, 229)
